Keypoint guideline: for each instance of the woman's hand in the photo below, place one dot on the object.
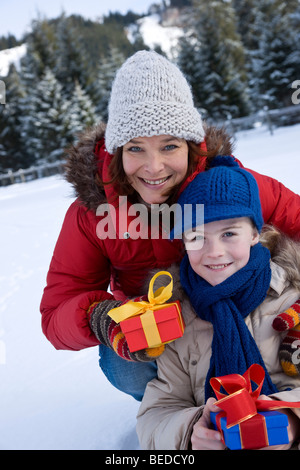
(203, 436)
(293, 428)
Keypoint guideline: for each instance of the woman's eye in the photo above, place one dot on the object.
(170, 147)
(134, 149)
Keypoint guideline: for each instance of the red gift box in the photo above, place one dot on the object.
(159, 327)
(150, 324)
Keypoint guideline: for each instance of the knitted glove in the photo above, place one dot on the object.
(289, 351)
(109, 332)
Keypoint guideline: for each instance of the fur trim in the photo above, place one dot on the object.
(284, 251)
(218, 141)
(82, 171)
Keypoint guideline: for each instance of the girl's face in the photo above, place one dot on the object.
(225, 248)
(153, 165)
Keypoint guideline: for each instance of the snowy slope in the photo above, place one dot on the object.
(149, 27)
(154, 34)
(11, 56)
(59, 399)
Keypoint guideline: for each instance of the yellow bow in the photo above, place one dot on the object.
(130, 309)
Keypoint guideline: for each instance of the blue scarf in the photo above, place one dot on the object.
(225, 306)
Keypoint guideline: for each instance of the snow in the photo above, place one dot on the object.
(60, 399)
(11, 56)
(154, 34)
(274, 155)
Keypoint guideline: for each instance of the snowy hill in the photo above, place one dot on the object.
(153, 30)
(11, 56)
(155, 33)
(60, 399)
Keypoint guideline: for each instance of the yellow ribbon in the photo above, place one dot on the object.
(131, 309)
(150, 329)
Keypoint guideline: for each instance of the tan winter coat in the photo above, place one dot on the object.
(174, 401)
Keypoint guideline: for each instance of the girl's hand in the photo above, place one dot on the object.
(203, 436)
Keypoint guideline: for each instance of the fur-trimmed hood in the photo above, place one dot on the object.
(84, 165)
(285, 253)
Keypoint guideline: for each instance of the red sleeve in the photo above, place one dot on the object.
(79, 275)
(280, 205)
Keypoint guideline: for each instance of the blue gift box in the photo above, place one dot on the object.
(276, 423)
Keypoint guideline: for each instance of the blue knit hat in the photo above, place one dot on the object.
(226, 191)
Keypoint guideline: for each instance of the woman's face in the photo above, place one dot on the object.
(155, 164)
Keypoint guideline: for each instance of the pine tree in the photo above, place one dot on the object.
(81, 113)
(70, 66)
(44, 122)
(13, 149)
(246, 15)
(31, 68)
(273, 49)
(218, 67)
(188, 60)
(107, 70)
(180, 3)
(43, 43)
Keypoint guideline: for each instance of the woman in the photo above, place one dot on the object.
(153, 145)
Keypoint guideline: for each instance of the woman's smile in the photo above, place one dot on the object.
(155, 182)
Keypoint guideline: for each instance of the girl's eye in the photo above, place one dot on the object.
(199, 237)
(196, 238)
(228, 234)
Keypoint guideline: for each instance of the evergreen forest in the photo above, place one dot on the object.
(239, 56)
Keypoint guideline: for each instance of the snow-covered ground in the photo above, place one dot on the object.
(59, 399)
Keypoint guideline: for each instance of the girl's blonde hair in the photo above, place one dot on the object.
(284, 251)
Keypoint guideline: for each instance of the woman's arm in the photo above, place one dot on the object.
(280, 205)
(78, 276)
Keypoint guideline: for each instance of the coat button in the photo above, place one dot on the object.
(126, 235)
(194, 362)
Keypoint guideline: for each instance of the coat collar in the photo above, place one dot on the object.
(279, 280)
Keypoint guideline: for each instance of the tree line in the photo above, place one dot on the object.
(238, 56)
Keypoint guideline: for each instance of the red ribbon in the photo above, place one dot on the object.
(240, 403)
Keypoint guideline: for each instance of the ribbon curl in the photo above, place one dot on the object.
(156, 299)
(240, 402)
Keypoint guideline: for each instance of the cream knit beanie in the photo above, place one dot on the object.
(150, 96)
